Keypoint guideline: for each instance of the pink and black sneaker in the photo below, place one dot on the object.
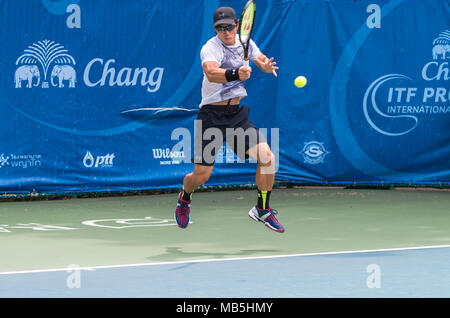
(182, 212)
(266, 216)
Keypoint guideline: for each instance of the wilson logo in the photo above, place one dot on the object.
(173, 156)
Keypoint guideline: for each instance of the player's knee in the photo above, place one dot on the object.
(266, 158)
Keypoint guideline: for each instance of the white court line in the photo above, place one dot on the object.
(90, 268)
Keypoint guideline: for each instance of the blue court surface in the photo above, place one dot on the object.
(410, 272)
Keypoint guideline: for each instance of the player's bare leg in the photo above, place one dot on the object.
(265, 177)
(265, 171)
(198, 177)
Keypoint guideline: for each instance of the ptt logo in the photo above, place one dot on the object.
(51, 57)
(105, 161)
(314, 152)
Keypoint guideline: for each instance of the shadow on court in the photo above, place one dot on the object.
(178, 253)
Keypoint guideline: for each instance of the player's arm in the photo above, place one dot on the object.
(265, 64)
(216, 74)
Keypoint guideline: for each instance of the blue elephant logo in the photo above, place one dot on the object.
(45, 53)
(441, 48)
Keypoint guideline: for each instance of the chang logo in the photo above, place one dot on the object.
(314, 152)
(51, 57)
(103, 73)
(441, 48)
(47, 63)
(394, 104)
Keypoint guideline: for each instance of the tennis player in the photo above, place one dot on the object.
(222, 118)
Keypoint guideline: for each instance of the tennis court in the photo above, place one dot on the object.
(124, 121)
(338, 243)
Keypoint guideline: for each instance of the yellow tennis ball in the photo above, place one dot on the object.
(300, 81)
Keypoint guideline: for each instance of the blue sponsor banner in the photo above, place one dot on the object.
(102, 95)
(377, 106)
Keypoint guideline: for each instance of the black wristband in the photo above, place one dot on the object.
(232, 74)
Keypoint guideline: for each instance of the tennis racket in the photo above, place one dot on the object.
(246, 26)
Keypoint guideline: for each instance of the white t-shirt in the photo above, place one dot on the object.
(228, 57)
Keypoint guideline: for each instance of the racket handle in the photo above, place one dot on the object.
(246, 63)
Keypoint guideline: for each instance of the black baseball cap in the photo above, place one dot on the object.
(224, 15)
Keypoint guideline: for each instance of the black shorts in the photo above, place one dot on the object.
(216, 124)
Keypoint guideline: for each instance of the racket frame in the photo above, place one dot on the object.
(246, 43)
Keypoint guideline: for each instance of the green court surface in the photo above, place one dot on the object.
(37, 235)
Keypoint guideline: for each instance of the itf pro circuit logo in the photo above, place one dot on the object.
(45, 62)
(401, 99)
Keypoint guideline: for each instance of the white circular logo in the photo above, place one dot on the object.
(314, 152)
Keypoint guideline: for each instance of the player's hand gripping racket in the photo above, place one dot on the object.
(246, 26)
